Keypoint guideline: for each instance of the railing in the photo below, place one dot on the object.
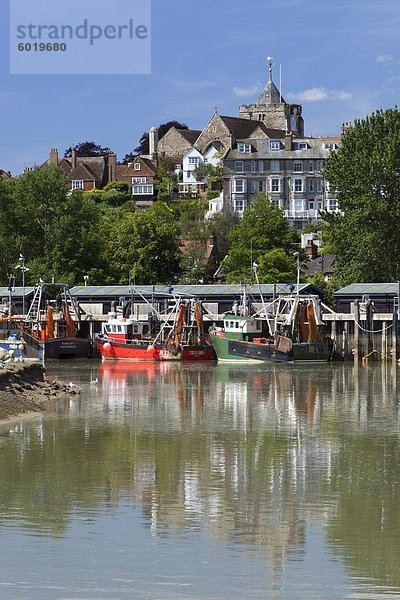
(301, 214)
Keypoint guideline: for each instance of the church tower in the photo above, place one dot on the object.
(272, 109)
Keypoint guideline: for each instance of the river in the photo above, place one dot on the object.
(172, 481)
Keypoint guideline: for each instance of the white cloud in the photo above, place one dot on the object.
(318, 94)
(242, 92)
(384, 58)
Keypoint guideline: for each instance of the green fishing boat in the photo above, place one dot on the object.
(289, 329)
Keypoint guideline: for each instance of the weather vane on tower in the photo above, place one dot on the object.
(269, 59)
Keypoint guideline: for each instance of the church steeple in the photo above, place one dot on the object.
(272, 110)
(270, 94)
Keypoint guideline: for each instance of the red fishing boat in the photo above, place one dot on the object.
(180, 336)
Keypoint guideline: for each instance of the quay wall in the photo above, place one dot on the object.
(364, 335)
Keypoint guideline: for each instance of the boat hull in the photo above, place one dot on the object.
(58, 348)
(189, 353)
(228, 349)
(112, 350)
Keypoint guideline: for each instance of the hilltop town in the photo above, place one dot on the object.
(195, 190)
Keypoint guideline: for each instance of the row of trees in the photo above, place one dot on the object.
(68, 235)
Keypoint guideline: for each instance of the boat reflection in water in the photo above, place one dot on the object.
(288, 476)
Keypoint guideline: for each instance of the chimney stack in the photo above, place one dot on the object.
(112, 167)
(73, 158)
(288, 141)
(346, 126)
(153, 141)
(311, 250)
(53, 156)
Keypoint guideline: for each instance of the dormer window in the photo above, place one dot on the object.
(274, 145)
(136, 166)
(300, 145)
(330, 146)
(244, 148)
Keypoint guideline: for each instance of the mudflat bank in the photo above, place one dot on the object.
(23, 389)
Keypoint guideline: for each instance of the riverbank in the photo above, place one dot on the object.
(24, 390)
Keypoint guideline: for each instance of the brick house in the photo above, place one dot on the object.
(85, 172)
(140, 174)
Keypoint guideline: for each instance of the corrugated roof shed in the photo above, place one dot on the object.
(17, 291)
(357, 289)
(189, 290)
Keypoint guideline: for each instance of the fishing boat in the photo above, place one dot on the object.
(178, 335)
(289, 329)
(126, 338)
(52, 327)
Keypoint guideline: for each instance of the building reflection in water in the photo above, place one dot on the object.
(254, 456)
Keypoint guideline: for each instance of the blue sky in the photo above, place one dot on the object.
(340, 59)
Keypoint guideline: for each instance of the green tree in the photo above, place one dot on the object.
(276, 265)
(327, 287)
(209, 173)
(194, 233)
(88, 149)
(59, 233)
(145, 244)
(364, 173)
(114, 194)
(262, 228)
(220, 226)
(166, 180)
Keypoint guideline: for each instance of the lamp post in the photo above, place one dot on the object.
(297, 257)
(86, 279)
(24, 270)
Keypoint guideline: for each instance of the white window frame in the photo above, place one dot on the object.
(296, 181)
(274, 145)
(297, 166)
(330, 146)
(311, 186)
(300, 146)
(239, 166)
(320, 187)
(298, 205)
(311, 166)
(137, 166)
(239, 205)
(194, 160)
(253, 166)
(244, 148)
(332, 204)
(77, 184)
(272, 183)
(142, 190)
(139, 180)
(239, 186)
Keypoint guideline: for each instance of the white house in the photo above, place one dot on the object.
(191, 160)
(215, 206)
